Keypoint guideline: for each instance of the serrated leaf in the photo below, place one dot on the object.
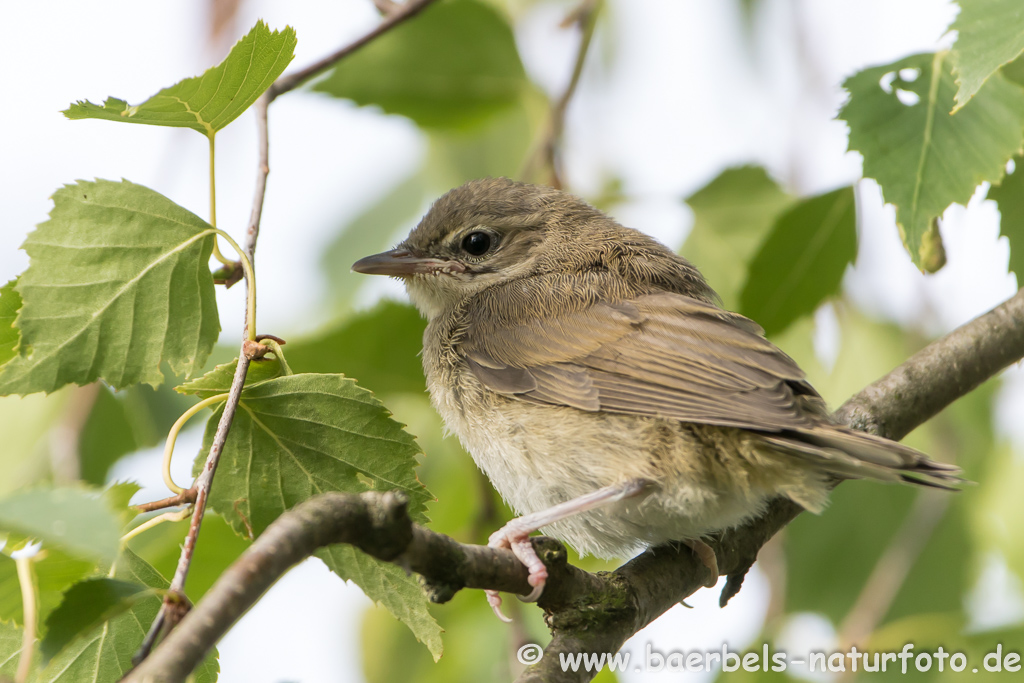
(218, 380)
(990, 34)
(733, 214)
(297, 436)
(118, 283)
(1009, 197)
(209, 102)
(899, 121)
(54, 571)
(802, 261)
(10, 302)
(451, 66)
(86, 605)
(72, 519)
(389, 585)
(104, 654)
(353, 347)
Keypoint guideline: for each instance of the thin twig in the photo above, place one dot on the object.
(545, 156)
(294, 80)
(186, 497)
(587, 613)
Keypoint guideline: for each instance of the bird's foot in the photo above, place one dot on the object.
(516, 537)
(707, 557)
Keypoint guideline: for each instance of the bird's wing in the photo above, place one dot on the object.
(659, 354)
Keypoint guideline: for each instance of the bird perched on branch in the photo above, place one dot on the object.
(594, 379)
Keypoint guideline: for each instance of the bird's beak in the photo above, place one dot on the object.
(403, 263)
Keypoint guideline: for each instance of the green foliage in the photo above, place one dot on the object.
(1009, 197)
(297, 436)
(69, 518)
(85, 606)
(452, 66)
(10, 302)
(218, 380)
(990, 34)
(354, 347)
(54, 571)
(732, 216)
(899, 121)
(209, 102)
(104, 653)
(10, 648)
(802, 261)
(97, 293)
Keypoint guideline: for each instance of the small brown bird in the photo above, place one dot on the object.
(590, 373)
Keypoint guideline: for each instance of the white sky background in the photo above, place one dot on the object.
(669, 99)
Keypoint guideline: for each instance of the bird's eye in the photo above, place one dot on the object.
(476, 243)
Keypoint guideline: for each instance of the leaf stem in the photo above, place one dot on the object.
(250, 282)
(172, 436)
(213, 203)
(28, 606)
(173, 516)
(276, 348)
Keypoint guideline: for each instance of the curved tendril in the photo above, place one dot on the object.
(250, 281)
(172, 516)
(172, 436)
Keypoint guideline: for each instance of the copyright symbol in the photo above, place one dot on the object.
(530, 653)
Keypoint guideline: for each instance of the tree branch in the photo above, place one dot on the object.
(586, 612)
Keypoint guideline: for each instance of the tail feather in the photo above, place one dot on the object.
(849, 454)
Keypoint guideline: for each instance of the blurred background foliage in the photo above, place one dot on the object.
(883, 565)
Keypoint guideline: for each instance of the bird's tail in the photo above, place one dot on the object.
(850, 454)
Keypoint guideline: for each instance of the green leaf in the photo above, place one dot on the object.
(104, 654)
(354, 347)
(209, 102)
(217, 547)
(118, 283)
(86, 605)
(732, 215)
(218, 380)
(118, 498)
(10, 302)
(1009, 197)
(106, 437)
(297, 436)
(802, 261)
(990, 34)
(10, 650)
(54, 572)
(916, 150)
(73, 519)
(453, 65)
(387, 584)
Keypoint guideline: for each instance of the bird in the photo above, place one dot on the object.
(594, 378)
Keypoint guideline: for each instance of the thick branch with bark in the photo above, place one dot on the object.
(586, 612)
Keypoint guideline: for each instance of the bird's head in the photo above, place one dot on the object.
(494, 231)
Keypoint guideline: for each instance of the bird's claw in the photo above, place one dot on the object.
(517, 539)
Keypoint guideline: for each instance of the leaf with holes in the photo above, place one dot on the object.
(104, 653)
(450, 67)
(733, 214)
(900, 122)
(209, 102)
(802, 261)
(1009, 197)
(990, 33)
(118, 282)
(296, 436)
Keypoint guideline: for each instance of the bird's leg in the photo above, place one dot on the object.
(707, 557)
(516, 534)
